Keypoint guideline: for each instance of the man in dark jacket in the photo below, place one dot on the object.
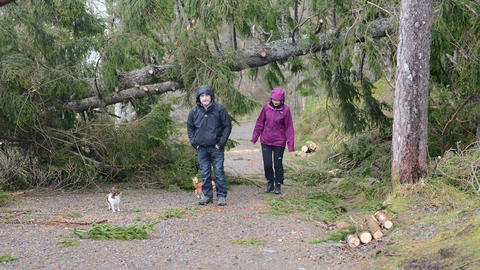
(208, 128)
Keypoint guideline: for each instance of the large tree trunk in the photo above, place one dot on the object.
(255, 56)
(409, 140)
(127, 94)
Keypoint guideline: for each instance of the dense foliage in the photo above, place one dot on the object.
(53, 52)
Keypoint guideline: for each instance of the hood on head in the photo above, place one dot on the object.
(205, 89)
(278, 94)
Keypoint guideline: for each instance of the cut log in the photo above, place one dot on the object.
(365, 237)
(382, 219)
(304, 149)
(380, 216)
(373, 227)
(387, 224)
(309, 147)
(312, 147)
(352, 240)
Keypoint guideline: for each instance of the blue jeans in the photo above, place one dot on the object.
(277, 152)
(208, 156)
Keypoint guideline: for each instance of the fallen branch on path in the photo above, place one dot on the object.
(253, 182)
(51, 222)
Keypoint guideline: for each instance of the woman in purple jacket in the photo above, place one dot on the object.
(275, 128)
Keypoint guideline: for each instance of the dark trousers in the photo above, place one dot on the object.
(209, 156)
(269, 164)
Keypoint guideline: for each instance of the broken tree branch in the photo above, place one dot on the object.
(255, 56)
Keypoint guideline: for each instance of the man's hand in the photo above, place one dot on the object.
(216, 146)
(198, 146)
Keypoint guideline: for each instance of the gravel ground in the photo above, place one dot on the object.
(33, 224)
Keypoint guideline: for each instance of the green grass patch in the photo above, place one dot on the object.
(122, 232)
(135, 210)
(310, 172)
(191, 208)
(4, 198)
(250, 241)
(316, 206)
(6, 258)
(172, 213)
(455, 248)
(176, 212)
(433, 191)
(439, 227)
(336, 235)
(67, 243)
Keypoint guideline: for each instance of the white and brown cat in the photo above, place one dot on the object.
(113, 199)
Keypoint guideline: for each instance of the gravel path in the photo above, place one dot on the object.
(34, 223)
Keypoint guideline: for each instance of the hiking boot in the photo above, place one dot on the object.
(277, 189)
(270, 187)
(205, 200)
(222, 201)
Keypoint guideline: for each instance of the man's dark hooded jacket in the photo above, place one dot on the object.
(211, 126)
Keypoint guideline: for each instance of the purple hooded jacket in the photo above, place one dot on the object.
(274, 124)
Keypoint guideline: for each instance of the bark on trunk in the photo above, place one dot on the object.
(409, 140)
(145, 75)
(128, 94)
(284, 49)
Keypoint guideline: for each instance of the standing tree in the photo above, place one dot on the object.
(410, 122)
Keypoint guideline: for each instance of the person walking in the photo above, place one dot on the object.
(208, 128)
(274, 126)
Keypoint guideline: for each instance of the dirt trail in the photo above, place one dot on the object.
(32, 226)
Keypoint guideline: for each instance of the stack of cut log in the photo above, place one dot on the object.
(376, 224)
(308, 149)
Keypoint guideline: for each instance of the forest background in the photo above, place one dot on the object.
(83, 91)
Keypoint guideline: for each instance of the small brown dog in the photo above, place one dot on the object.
(198, 187)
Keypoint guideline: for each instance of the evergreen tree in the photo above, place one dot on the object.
(61, 57)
